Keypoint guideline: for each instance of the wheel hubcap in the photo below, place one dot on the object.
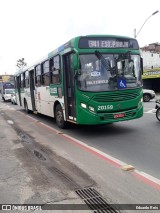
(146, 98)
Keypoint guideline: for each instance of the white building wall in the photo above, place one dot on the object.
(150, 59)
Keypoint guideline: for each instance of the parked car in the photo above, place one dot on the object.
(13, 99)
(148, 95)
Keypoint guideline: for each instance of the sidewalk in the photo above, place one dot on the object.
(15, 181)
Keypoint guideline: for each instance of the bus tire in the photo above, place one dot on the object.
(59, 117)
(26, 107)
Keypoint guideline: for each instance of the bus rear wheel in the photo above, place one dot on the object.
(59, 117)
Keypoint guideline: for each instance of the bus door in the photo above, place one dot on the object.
(69, 89)
(32, 89)
(19, 89)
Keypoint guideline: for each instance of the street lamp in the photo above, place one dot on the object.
(135, 35)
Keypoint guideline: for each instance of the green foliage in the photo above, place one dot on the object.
(21, 64)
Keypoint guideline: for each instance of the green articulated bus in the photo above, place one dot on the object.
(94, 79)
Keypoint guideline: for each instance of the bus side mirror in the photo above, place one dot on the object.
(141, 61)
(75, 61)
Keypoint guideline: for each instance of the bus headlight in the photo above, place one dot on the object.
(91, 109)
(140, 103)
(83, 105)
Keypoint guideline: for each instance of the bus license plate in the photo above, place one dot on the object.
(121, 115)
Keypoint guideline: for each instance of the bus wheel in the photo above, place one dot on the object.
(59, 117)
(26, 107)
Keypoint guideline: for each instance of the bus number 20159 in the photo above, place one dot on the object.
(105, 107)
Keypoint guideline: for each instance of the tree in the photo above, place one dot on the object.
(21, 64)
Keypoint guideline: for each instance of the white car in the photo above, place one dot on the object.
(148, 95)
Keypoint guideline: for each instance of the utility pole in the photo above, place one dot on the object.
(136, 34)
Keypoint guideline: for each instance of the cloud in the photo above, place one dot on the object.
(31, 29)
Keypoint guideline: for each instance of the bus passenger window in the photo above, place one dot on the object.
(38, 76)
(45, 74)
(55, 70)
(55, 76)
(38, 81)
(27, 79)
(22, 80)
(46, 79)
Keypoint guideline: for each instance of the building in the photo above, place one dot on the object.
(151, 66)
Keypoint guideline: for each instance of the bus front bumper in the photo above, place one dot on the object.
(89, 118)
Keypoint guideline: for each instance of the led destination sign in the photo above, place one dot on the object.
(107, 43)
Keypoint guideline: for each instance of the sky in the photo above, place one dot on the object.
(31, 29)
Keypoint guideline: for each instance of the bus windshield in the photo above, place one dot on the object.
(102, 72)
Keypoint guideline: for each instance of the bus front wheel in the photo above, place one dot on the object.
(59, 117)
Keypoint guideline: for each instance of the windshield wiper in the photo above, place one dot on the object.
(105, 63)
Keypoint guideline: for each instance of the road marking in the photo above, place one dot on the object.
(148, 179)
(151, 111)
(140, 175)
